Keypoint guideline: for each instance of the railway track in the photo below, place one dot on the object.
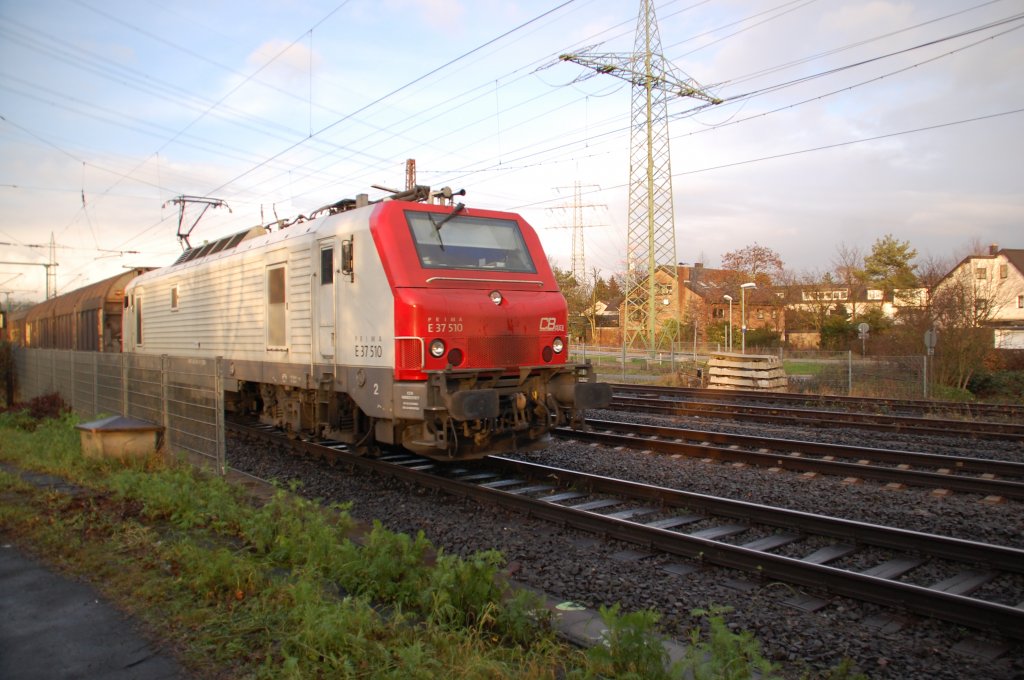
(955, 473)
(664, 405)
(920, 407)
(941, 577)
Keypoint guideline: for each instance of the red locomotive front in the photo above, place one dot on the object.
(480, 319)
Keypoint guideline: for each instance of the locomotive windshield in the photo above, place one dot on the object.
(469, 243)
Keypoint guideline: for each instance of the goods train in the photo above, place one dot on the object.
(87, 319)
(408, 321)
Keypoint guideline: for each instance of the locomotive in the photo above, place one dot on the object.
(410, 321)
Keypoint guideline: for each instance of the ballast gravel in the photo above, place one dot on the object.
(880, 642)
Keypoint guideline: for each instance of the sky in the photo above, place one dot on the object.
(842, 121)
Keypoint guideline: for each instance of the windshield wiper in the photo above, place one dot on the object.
(459, 207)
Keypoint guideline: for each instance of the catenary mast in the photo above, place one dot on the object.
(651, 237)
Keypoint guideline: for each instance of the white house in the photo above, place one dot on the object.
(996, 284)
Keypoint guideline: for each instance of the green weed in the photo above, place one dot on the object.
(630, 647)
(724, 654)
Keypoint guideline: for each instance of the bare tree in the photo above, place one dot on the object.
(932, 268)
(848, 265)
(597, 287)
(756, 263)
(972, 246)
(785, 286)
(961, 306)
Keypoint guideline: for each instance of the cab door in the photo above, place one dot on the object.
(326, 299)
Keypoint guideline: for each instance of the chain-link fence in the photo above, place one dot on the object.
(183, 395)
(812, 372)
(901, 377)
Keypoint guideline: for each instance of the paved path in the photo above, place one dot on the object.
(53, 628)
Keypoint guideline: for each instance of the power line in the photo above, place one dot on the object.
(554, 152)
(382, 98)
(851, 142)
(825, 147)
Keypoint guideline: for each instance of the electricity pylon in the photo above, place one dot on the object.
(51, 266)
(651, 238)
(579, 267)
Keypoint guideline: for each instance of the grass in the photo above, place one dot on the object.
(803, 367)
(280, 590)
(272, 591)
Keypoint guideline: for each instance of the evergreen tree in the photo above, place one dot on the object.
(888, 266)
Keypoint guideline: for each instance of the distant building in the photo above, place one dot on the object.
(808, 305)
(699, 303)
(994, 285)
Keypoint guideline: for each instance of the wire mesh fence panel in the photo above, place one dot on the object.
(23, 374)
(33, 377)
(144, 388)
(807, 371)
(83, 384)
(193, 404)
(889, 377)
(109, 393)
(184, 395)
(682, 366)
(61, 363)
(817, 372)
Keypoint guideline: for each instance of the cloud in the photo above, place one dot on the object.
(859, 17)
(283, 62)
(443, 14)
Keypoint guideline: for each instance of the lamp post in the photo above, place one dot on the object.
(728, 338)
(743, 314)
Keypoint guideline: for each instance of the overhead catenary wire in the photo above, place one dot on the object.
(832, 71)
(799, 152)
(541, 149)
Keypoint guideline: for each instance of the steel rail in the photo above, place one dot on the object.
(959, 609)
(949, 607)
(787, 416)
(872, 404)
(958, 463)
(657, 441)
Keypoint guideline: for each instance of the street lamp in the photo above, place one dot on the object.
(743, 313)
(728, 338)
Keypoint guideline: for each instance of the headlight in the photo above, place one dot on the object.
(496, 297)
(557, 345)
(437, 349)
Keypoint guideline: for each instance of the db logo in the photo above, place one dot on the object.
(549, 324)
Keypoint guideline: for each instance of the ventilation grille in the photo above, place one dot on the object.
(409, 354)
(503, 351)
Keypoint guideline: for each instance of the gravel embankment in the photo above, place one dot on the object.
(579, 567)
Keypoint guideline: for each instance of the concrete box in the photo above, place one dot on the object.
(119, 437)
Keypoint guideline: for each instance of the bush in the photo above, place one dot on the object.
(998, 385)
(7, 375)
(760, 337)
(45, 407)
